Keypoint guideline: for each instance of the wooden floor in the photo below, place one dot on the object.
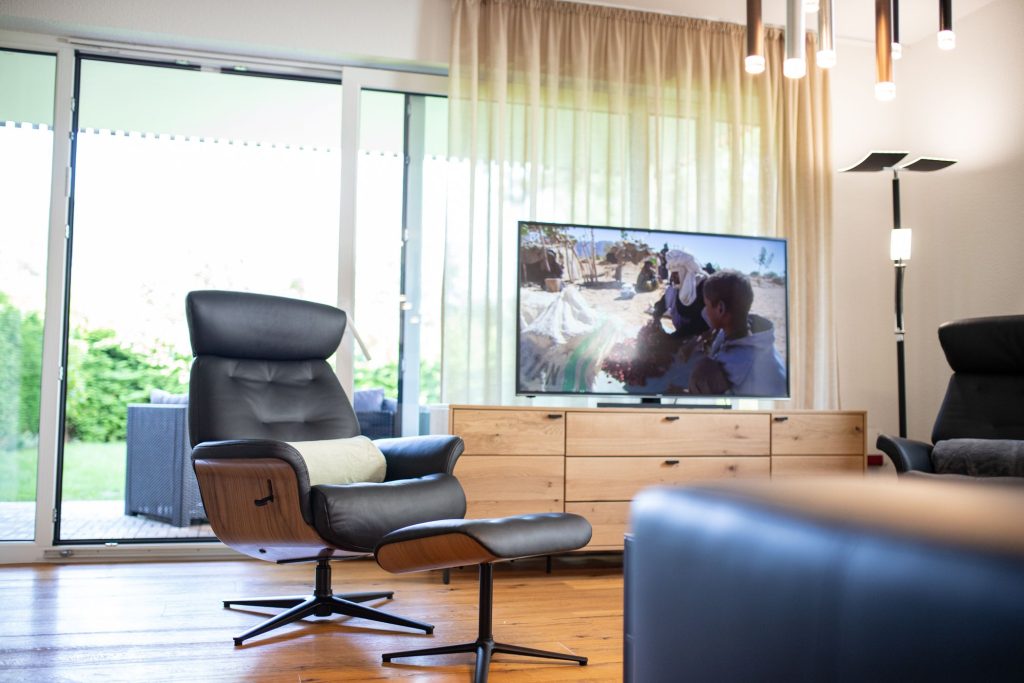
(164, 622)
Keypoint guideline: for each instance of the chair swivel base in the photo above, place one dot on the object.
(485, 646)
(323, 603)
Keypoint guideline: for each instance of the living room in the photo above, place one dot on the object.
(960, 104)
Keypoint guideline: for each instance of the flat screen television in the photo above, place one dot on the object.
(608, 311)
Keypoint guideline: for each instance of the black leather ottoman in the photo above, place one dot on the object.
(459, 542)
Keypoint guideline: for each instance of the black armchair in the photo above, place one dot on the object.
(979, 430)
(260, 384)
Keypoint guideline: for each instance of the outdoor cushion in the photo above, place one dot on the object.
(367, 400)
(159, 396)
(342, 461)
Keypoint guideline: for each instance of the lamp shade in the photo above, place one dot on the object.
(899, 244)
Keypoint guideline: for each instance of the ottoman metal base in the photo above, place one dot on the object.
(485, 646)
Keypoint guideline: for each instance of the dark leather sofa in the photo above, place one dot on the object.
(863, 580)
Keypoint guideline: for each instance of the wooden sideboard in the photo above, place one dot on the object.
(592, 461)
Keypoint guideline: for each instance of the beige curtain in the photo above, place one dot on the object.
(593, 115)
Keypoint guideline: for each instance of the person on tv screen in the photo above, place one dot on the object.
(683, 301)
(743, 347)
(647, 279)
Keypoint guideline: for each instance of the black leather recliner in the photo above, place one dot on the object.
(979, 430)
(260, 379)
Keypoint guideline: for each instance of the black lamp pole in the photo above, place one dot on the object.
(889, 161)
(901, 269)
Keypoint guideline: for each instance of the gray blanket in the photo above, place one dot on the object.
(979, 457)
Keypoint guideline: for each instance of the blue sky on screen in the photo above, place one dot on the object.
(727, 251)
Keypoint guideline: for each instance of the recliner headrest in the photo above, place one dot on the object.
(984, 345)
(259, 326)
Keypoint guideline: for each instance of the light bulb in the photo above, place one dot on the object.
(897, 51)
(885, 91)
(947, 40)
(899, 244)
(826, 59)
(794, 68)
(754, 64)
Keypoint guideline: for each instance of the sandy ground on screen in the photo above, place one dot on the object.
(769, 301)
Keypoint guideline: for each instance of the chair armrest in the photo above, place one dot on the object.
(906, 454)
(417, 456)
(247, 449)
(251, 449)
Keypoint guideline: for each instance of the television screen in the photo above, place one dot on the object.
(650, 313)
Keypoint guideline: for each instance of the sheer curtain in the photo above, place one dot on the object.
(583, 114)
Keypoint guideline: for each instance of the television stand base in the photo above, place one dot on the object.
(656, 403)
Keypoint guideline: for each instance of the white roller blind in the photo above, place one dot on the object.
(26, 87)
(143, 99)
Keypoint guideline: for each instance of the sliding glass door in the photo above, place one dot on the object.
(400, 227)
(26, 151)
(185, 178)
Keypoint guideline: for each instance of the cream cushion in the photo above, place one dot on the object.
(342, 461)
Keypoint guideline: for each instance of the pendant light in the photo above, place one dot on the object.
(826, 57)
(885, 86)
(754, 62)
(795, 65)
(897, 47)
(946, 37)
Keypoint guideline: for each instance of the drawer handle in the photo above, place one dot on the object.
(780, 418)
(671, 462)
(554, 416)
(671, 418)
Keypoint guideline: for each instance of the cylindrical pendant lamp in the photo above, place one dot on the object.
(897, 47)
(795, 65)
(754, 62)
(885, 86)
(946, 37)
(826, 57)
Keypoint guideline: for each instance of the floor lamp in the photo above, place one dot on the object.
(899, 245)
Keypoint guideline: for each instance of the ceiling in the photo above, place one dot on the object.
(855, 19)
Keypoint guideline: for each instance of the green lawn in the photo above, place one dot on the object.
(92, 471)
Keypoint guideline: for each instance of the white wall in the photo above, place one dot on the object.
(358, 32)
(968, 220)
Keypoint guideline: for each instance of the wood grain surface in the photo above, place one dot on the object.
(164, 622)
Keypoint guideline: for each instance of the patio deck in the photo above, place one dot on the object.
(91, 519)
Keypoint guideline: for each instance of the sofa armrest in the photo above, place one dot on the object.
(417, 456)
(906, 454)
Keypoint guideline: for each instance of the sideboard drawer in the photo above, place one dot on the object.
(817, 434)
(791, 466)
(510, 432)
(663, 433)
(502, 485)
(609, 521)
(621, 478)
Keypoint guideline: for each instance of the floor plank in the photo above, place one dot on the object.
(164, 621)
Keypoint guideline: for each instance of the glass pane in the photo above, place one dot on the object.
(185, 180)
(377, 313)
(26, 151)
(435, 193)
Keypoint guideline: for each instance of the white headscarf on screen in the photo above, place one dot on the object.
(684, 263)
